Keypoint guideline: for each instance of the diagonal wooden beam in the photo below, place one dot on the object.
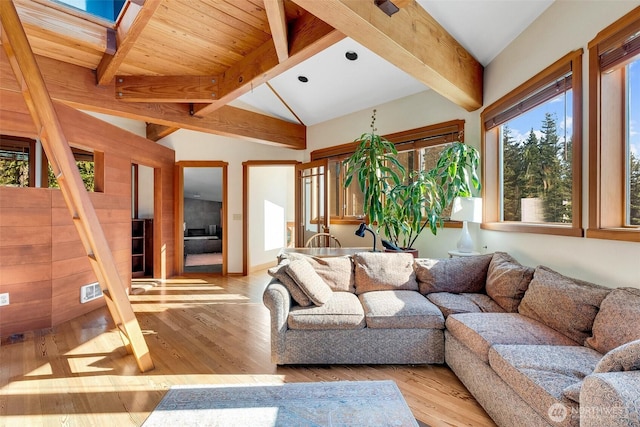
(411, 40)
(308, 36)
(134, 19)
(278, 25)
(56, 146)
(76, 87)
(156, 132)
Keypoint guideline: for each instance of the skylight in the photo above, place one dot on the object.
(105, 9)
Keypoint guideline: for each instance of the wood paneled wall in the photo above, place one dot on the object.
(42, 261)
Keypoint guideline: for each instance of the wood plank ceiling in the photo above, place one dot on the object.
(178, 63)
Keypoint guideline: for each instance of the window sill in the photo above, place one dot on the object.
(356, 221)
(623, 234)
(551, 229)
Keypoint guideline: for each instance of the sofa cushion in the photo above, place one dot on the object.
(309, 281)
(337, 272)
(617, 321)
(541, 373)
(457, 275)
(280, 272)
(507, 281)
(565, 304)
(450, 303)
(400, 310)
(342, 311)
(383, 271)
(480, 331)
(623, 358)
(572, 392)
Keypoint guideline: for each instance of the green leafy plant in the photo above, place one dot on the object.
(404, 206)
(373, 164)
(420, 203)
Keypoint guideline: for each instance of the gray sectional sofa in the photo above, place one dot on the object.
(534, 347)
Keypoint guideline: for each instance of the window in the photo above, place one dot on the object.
(418, 149)
(86, 167)
(531, 136)
(17, 157)
(614, 141)
(106, 9)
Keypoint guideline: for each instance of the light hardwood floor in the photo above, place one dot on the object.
(209, 330)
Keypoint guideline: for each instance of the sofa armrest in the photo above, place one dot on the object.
(610, 399)
(278, 300)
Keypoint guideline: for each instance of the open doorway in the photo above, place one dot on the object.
(202, 207)
(269, 212)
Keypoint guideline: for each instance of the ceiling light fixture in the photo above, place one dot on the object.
(386, 6)
(351, 55)
(303, 79)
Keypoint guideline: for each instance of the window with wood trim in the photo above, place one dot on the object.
(17, 161)
(614, 141)
(86, 166)
(418, 149)
(531, 138)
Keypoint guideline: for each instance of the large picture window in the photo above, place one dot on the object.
(531, 137)
(614, 141)
(418, 149)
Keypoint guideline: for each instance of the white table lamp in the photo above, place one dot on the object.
(466, 209)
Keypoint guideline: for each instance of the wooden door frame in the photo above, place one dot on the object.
(245, 202)
(300, 240)
(179, 206)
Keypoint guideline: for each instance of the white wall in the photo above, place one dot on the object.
(145, 191)
(266, 185)
(565, 26)
(190, 145)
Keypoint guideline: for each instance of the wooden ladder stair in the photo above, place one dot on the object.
(56, 146)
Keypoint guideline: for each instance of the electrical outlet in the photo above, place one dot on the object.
(4, 299)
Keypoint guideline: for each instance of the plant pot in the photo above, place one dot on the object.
(413, 252)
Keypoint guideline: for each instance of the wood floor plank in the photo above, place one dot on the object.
(200, 330)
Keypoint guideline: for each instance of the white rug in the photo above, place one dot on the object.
(340, 403)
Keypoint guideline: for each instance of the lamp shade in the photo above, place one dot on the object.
(467, 209)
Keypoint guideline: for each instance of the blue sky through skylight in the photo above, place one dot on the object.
(106, 9)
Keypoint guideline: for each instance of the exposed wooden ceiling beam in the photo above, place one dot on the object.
(308, 36)
(75, 86)
(278, 25)
(413, 41)
(156, 132)
(167, 88)
(134, 20)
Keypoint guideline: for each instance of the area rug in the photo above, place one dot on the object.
(203, 259)
(340, 403)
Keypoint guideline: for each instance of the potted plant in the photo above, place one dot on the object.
(403, 206)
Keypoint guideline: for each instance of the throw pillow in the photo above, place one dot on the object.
(617, 321)
(337, 272)
(565, 304)
(384, 271)
(279, 272)
(309, 281)
(457, 275)
(623, 358)
(507, 281)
